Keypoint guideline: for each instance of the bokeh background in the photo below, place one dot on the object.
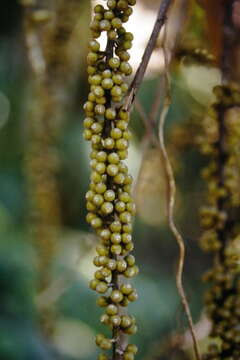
(158, 309)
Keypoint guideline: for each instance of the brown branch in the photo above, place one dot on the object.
(136, 83)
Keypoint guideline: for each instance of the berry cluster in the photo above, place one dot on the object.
(219, 220)
(109, 202)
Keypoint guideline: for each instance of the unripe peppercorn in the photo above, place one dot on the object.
(114, 63)
(109, 200)
(116, 296)
(107, 83)
(110, 114)
(126, 321)
(121, 266)
(109, 143)
(105, 25)
(107, 208)
(103, 357)
(111, 310)
(126, 289)
(128, 356)
(111, 4)
(133, 296)
(102, 301)
(101, 287)
(119, 179)
(115, 320)
(100, 188)
(112, 35)
(112, 170)
(106, 344)
(94, 45)
(116, 238)
(116, 249)
(116, 226)
(132, 348)
(116, 133)
(109, 195)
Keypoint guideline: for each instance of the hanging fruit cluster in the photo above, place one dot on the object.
(220, 221)
(109, 202)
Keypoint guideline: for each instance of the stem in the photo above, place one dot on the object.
(115, 283)
(136, 83)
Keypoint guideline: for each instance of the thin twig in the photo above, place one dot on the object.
(171, 194)
(135, 85)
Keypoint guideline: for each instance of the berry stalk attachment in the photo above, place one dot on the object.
(109, 202)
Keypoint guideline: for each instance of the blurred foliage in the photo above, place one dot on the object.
(158, 310)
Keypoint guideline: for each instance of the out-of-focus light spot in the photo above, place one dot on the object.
(134, 159)
(74, 338)
(200, 82)
(86, 267)
(4, 109)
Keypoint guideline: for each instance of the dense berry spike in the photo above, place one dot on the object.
(220, 221)
(109, 202)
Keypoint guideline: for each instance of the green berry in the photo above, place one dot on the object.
(116, 133)
(109, 195)
(103, 357)
(107, 208)
(109, 15)
(128, 356)
(94, 45)
(105, 344)
(116, 238)
(113, 158)
(133, 296)
(112, 170)
(116, 296)
(105, 25)
(93, 284)
(121, 266)
(100, 188)
(115, 320)
(132, 348)
(120, 206)
(116, 226)
(112, 310)
(101, 287)
(110, 114)
(111, 4)
(92, 58)
(126, 289)
(105, 234)
(116, 249)
(109, 143)
(114, 63)
(126, 321)
(98, 9)
(96, 223)
(116, 23)
(107, 83)
(98, 200)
